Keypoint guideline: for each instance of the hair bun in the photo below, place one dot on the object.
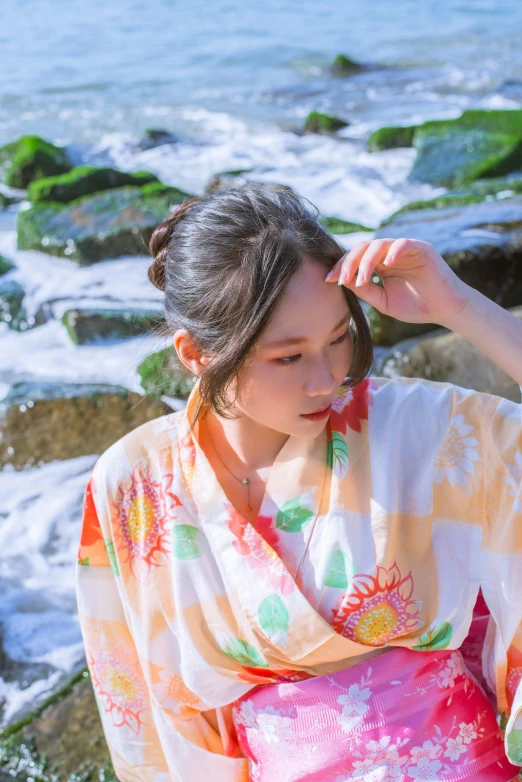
(160, 242)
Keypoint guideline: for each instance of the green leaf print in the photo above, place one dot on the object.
(83, 561)
(273, 616)
(337, 573)
(109, 547)
(243, 653)
(292, 516)
(514, 745)
(186, 541)
(337, 455)
(435, 639)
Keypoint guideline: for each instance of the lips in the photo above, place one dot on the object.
(321, 410)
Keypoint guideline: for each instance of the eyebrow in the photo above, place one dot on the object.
(299, 340)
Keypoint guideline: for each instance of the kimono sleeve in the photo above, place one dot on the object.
(117, 678)
(501, 567)
(145, 744)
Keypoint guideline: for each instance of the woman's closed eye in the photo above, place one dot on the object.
(292, 359)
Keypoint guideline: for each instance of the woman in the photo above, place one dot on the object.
(273, 595)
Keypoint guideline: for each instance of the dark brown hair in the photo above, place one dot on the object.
(224, 259)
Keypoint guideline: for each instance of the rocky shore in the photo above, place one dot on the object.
(87, 214)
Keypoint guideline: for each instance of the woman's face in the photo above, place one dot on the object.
(283, 380)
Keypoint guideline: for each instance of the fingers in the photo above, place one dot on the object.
(361, 260)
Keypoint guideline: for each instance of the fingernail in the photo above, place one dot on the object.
(328, 276)
(341, 279)
(359, 281)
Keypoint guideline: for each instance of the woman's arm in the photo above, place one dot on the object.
(420, 287)
(493, 330)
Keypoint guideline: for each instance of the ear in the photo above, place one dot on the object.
(188, 352)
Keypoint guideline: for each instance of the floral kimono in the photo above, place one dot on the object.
(377, 533)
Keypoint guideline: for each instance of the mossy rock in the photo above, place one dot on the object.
(388, 331)
(345, 66)
(480, 143)
(84, 180)
(390, 137)
(162, 373)
(42, 421)
(337, 226)
(318, 122)
(91, 326)
(5, 265)
(62, 740)
(496, 188)
(159, 189)
(445, 356)
(29, 158)
(96, 227)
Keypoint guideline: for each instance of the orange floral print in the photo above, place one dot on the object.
(378, 608)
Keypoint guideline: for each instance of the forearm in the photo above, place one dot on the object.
(493, 330)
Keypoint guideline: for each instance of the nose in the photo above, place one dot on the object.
(322, 381)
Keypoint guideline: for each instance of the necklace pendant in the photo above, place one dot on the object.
(245, 480)
(248, 507)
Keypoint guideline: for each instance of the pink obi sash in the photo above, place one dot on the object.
(400, 716)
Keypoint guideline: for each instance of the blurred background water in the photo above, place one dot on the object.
(234, 82)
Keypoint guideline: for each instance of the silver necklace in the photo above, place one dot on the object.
(245, 481)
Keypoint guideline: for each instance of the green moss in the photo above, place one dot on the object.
(390, 137)
(29, 158)
(337, 226)
(318, 122)
(479, 143)
(95, 227)
(343, 65)
(162, 373)
(84, 180)
(159, 189)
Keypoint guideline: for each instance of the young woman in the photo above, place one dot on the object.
(269, 592)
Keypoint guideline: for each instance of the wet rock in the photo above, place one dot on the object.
(43, 421)
(337, 226)
(318, 122)
(481, 242)
(387, 331)
(90, 326)
(5, 265)
(478, 144)
(162, 373)
(61, 741)
(12, 310)
(494, 189)
(455, 152)
(29, 158)
(447, 357)
(84, 180)
(345, 66)
(93, 228)
(155, 137)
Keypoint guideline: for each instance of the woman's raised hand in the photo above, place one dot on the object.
(419, 286)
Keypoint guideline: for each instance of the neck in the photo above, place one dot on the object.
(243, 444)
